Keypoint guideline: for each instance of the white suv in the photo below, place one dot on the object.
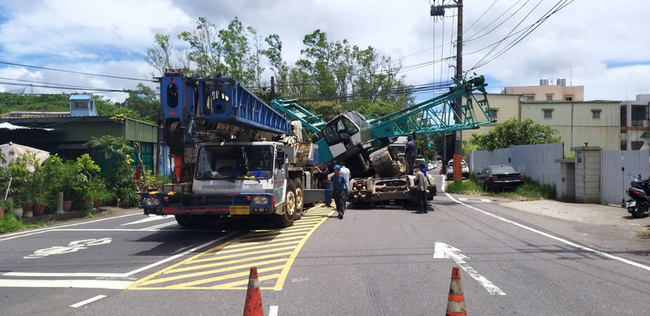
(450, 170)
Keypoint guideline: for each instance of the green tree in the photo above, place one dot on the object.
(513, 132)
(206, 50)
(159, 54)
(236, 52)
(278, 65)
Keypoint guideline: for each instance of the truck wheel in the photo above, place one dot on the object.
(286, 219)
(188, 222)
(300, 194)
(387, 162)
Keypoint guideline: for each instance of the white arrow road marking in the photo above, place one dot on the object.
(88, 301)
(273, 311)
(443, 250)
(74, 246)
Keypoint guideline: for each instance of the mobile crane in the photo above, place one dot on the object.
(378, 169)
(233, 155)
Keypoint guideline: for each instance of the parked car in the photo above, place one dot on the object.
(499, 177)
(450, 170)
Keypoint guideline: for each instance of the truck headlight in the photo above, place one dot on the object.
(260, 200)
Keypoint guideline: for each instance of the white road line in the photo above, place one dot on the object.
(45, 230)
(603, 254)
(178, 255)
(462, 199)
(145, 220)
(79, 284)
(486, 200)
(273, 310)
(159, 226)
(90, 300)
(98, 230)
(62, 275)
(443, 250)
(105, 275)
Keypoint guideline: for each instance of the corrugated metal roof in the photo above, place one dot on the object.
(80, 97)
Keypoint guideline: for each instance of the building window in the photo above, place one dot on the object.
(639, 114)
(528, 98)
(494, 113)
(623, 115)
(548, 113)
(645, 135)
(568, 98)
(624, 145)
(549, 97)
(595, 114)
(637, 145)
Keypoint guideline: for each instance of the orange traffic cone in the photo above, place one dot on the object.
(253, 306)
(456, 303)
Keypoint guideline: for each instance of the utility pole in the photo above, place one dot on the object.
(458, 143)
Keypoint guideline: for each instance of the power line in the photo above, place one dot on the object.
(557, 7)
(474, 37)
(61, 87)
(48, 83)
(74, 72)
(479, 18)
(516, 26)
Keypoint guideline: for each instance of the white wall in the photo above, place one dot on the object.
(534, 161)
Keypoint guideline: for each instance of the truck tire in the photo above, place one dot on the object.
(286, 219)
(387, 162)
(188, 222)
(300, 195)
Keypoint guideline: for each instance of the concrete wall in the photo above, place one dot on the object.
(540, 92)
(576, 123)
(507, 106)
(534, 161)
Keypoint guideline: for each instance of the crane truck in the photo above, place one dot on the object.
(379, 170)
(233, 154)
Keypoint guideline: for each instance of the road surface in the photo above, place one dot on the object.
(384, 261)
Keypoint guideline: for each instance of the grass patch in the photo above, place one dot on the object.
(9, 223)
(645, 234)
(464, 187)
(531, 190)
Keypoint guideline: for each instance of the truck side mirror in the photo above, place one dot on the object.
(279, 159)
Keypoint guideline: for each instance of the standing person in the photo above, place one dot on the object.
(421, 186)
(323, 172)
(345, 173)
(410, 154)
(339, 190)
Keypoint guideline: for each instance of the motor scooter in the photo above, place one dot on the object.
(639, 204)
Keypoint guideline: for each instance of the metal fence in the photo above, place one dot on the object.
(617, 167)
(534, 161)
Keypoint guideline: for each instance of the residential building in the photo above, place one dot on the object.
(594, 122)
(635, 127)
(546, 92)
(503, 107)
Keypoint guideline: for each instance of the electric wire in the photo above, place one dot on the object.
(74, 72)
(479, 18)
(474, 37)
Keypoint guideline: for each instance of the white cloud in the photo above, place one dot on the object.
(111, 36)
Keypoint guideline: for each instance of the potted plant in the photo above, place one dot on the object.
(98, 193)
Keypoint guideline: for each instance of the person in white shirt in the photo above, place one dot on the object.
(345, 173)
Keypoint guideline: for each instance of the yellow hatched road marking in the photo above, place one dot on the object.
(280, 249)
(245, 249)
(226, 277)
(218, 264)
(233, 268)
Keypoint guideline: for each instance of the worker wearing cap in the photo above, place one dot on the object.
(339, 190)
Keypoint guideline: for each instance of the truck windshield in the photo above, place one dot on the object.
(234, 162)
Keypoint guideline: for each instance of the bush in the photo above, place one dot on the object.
(533, 190)
(9, 224)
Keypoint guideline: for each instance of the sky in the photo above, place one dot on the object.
(595, 43)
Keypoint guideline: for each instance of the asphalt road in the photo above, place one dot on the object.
(384, 261)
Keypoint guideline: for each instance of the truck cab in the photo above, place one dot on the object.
(234, 179)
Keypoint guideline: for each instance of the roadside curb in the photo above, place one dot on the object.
(47, 218)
